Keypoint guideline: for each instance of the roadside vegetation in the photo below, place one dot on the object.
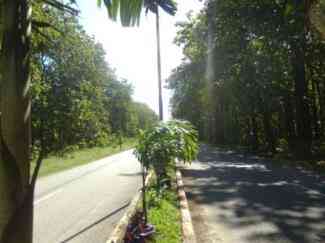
(253, 76)
(81, 110)
(78, 101)
(59, 96)
(316, 164)
(56, 163)
(158, 149)
(164, 214)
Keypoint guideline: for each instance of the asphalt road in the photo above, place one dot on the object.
(236, 198)
(83, 204)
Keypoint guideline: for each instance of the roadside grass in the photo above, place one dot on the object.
(166, 218)
(164, 214)
(56, 163)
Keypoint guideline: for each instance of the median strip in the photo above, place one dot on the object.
(119, 231)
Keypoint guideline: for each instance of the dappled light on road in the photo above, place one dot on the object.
(253, 200)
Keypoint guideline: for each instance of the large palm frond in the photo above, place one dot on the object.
(169, 6)
(130, 11)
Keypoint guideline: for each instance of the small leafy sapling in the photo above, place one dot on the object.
(160, 146)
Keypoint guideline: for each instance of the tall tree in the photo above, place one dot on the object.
(16, 199)
(267, 85)
(17, 185)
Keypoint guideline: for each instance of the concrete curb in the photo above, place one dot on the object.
(187, 226)
(118, 233)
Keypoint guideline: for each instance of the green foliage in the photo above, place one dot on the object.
(317, 16)
(253, 75)
(76, 157)
(145, 115)
(159, 146)
(77, 100)
(164, 213)
(129, 12)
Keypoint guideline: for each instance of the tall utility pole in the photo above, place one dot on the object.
(161, 112)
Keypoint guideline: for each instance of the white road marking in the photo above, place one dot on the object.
(46, 197)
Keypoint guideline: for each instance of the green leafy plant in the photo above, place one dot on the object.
(161, 145)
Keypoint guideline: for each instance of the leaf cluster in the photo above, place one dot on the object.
(129, 11)
(161, 145)
(239, 83)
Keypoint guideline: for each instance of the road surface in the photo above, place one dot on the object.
(241, 199)
(83, 204)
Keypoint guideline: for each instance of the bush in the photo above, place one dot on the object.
(161, 145)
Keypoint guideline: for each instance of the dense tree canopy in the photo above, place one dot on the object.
(55, 80)
(78, 101)
(253, 75)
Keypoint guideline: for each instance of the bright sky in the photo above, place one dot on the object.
(132, 51)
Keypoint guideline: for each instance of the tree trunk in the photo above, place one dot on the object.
(303, 117)
(269, 132)
(144, 200)
(16, 206)
(289, 123)
(254, 131)
(321, 107)
(219, 122)
(316, 118)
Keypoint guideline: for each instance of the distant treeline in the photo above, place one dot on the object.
(77, 99)
(254, 74)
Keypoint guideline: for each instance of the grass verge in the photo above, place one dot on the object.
(164, 214)
(54, 163)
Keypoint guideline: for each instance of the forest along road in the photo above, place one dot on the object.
(236, 198)
(84, 204)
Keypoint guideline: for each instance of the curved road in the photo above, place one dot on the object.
(236, 198)
(83, 204)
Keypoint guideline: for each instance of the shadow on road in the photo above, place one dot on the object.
(95, 223)
(249, 191)
(131, 174)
